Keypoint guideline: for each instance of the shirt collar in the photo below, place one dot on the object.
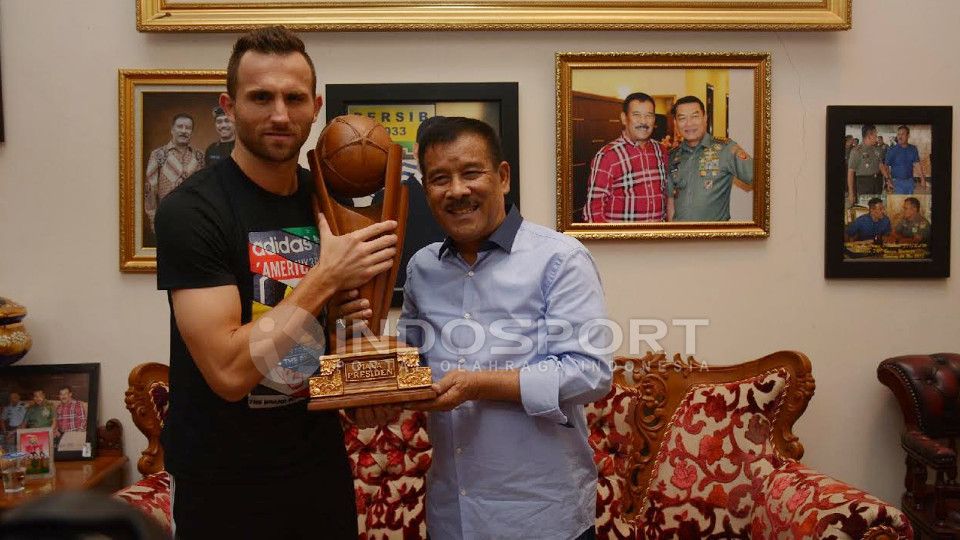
(503, 237)
(705, 141)
(623, 137)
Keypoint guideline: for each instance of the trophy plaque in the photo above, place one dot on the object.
(355, 157)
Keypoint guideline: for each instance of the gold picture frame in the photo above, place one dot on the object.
(414, 15)
(591, 88)
(148, 101)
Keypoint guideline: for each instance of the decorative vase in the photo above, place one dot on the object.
(14, 339)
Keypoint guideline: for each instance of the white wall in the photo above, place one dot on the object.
(58, 198)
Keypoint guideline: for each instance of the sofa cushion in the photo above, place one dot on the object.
(714, 457)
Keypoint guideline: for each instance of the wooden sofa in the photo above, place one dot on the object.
(682, 451)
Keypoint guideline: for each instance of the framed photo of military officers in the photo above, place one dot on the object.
(403, 109)
(381, 15)
(888, 191)
(170, 127)
(663, 145)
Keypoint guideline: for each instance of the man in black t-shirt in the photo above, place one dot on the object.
(248, 272)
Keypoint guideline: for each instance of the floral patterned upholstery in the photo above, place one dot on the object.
(389, 466)
(389, 463)
(721, 464)
(152, 495)
(682, 451)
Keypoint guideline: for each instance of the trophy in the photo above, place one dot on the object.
(355, 157)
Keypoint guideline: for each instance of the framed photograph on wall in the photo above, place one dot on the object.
(401, 108)
(663, 145)
(59, 397)
(888, 191)
(170, 127)
(417, 15)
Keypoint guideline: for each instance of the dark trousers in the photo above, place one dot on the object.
(589, 534)
(312, 507)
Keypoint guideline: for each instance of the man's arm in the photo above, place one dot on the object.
(741, 164)
(150, 186)
(209, 318)
(923, 177)
(851, 187)
(566, 374)
(598, 190)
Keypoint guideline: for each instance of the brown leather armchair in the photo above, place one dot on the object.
(928, 390)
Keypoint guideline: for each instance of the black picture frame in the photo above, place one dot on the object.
(840, 261)
(340, 97)
(84, 380)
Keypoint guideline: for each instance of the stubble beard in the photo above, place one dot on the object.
(267, 153)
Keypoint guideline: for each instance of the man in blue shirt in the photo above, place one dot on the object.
(898, 164)
(510, 317)
(870, 225)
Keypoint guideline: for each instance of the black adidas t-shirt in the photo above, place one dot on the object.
(220, 228)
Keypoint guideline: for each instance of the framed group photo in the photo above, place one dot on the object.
(59, 399)
(171, 126)
(663, 145)
(401, 108)
(888, 191)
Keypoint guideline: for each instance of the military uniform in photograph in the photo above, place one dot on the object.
(701, 177)
(865, 162)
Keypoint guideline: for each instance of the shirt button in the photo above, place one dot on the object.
(470, 273)
(463, 492)
(466, 316)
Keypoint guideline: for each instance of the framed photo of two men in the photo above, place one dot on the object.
(663, 145)
(888, 191)
(170, 127)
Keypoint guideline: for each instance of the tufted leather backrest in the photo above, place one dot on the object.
(928, 390)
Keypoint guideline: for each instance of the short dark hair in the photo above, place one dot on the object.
(915, 202)
(867, 128)
(904, 127)
(688, 99)
(450, 128)
(425, 125)
(267, 40)
(638, 96)
(874, 201)
(182, 115)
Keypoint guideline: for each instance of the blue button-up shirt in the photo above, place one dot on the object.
(512, 470)
(13, 414)
(900, 159)
(865, 228)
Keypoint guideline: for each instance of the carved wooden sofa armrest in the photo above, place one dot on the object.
(799, 502)
(146, 399)
(689, 451)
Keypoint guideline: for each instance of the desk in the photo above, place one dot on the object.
(106, 473)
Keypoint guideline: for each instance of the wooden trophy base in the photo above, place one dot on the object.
(380, 371)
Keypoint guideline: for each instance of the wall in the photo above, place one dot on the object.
(58, 198)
